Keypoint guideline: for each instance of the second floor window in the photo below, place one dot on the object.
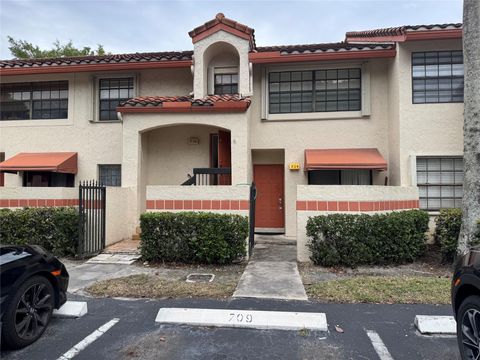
(437, 77)
(226, 84)
(112, 93)
(314, 91)
(34, 100)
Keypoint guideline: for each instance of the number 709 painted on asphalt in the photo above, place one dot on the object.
(240, 318)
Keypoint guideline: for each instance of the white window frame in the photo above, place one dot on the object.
(328, 115)
(96, 93)
(218, 70)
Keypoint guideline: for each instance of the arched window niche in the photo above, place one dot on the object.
(221, 65)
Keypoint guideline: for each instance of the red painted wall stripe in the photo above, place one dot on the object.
(13, 203)
(197, 205)
(344, 206)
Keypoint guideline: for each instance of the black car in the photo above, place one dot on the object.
(33, 283)
(466, 303)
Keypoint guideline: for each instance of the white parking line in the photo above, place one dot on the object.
(379, 346)
(70, 354)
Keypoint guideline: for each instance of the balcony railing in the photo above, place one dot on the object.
(210, 176)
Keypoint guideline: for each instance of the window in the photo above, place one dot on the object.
(47, 179)
(340, 177)
(226, 84)
(110, 175)
(439, 181)
(437, 77)
(37, 100)
(112, 93)
(314, 91)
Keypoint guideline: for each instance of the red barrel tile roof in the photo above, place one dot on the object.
(221, 19)
(171, 56)
(400, 30)
(99, 59)
(326, 47)
(145, 101)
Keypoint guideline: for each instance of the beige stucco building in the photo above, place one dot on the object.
(379, 115)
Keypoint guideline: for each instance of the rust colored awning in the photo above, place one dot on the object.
(61, 162)
(337, 159)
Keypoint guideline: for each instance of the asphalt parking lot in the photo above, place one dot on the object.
(137, 336)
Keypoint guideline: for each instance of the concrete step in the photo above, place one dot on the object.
(123, 247)
(108, 258)
(271, 240)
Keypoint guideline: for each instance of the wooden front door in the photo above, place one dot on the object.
(224, 156)
(269, 212)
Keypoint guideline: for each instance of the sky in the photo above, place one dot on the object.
(126, 26)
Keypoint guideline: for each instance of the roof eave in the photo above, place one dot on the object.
(56, 69)
(277, 57)
(434, 34)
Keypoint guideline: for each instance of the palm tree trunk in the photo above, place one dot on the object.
(471, 128)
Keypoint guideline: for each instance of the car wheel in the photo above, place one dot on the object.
(468, 328)
(28, 313)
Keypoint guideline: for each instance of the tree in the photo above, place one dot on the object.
(22, 49)
(471, 127)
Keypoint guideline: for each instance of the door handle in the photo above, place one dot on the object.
(280, 203)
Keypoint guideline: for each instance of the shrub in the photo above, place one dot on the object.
(193, 237)
(447, 231)
(379, 239)
(55, 229)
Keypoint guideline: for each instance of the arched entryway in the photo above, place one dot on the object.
(186, 154)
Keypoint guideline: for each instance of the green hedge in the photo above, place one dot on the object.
(447, 231)
(380, 239)
(193, 237)
(55, 229)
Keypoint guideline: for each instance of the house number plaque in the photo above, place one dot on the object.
(294, 166)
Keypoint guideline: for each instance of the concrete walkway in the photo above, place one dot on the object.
(84, 274)
(272, 272)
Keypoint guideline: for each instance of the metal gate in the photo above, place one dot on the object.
(251, 235)
(91, 224)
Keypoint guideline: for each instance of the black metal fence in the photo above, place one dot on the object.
(210, 176)
(92, 213)
(251, 235)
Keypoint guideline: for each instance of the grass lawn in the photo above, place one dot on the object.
(383, 290)
(153, 286)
